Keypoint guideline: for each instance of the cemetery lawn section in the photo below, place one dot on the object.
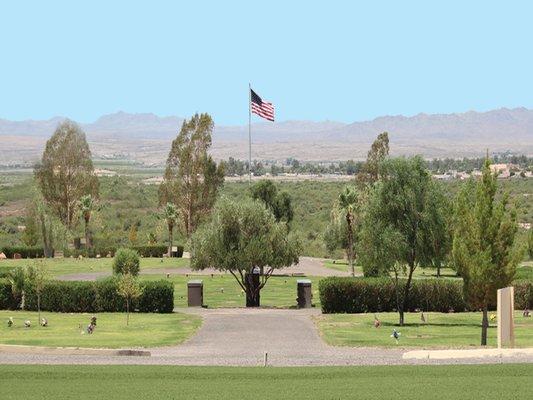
(503, 381)
(65, 266)
(224, 291)
(63, 330)
(441, 330)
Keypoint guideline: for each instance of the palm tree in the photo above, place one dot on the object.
(171, 216)
(347, 208)
(86, 206)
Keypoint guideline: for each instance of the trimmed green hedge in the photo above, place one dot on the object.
(361, 295)
(25, 252)
(84, 296)
(144, 251)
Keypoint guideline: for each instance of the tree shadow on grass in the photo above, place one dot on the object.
(436, 324)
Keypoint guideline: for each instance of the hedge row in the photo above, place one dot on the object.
(83, 296)
(25, 252)
(361, 295)
(103, 251)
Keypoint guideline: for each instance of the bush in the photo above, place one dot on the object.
(357, 295)
(25, 252)
(7, 300)
(103, 251)
(151, 251)
(126, 261)
(91, 297)
(361, 295)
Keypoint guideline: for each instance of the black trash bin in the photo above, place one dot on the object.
(305, 294)
(195, 293)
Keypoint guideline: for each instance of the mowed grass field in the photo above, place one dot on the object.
(224, 291)
(65, 330)
(507, 381)
(454, 330)
(65, 266)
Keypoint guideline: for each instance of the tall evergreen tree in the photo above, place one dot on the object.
(66, 172)
(485, 250)
(192, 179)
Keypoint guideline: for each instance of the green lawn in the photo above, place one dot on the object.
(63, 330)
(456, 330)
(65, 266)
(524, 271)
(224, 291)
(228, 383)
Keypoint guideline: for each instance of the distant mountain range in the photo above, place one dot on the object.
(146, 137)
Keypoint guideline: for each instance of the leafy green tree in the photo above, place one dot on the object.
(240, 237)
(129, 288)
(485, 250)
(36, 277)
(66, 172)
(86, 206)
(345, 221)
(171, 215)
(280, 203)
(30, 236)
(376, 155)
(401, 224)
(126, 261)
(192, 179)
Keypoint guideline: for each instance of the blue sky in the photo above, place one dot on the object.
(345, 61)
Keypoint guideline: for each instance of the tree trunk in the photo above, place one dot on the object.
(438, 270)
(88, 244)
(170, 229)
(253, 298)
(39, 308)
(350, 243)
(127, 312)
(484, 326)
(406, 294)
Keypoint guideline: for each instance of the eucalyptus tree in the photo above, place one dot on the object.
(65, 172)
(401, 224)
(241, 238)
(192, 179)
(378, 152)
(280, 203)
(485, 250)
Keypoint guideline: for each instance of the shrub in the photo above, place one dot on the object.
(103, 251)
(126, 261)
(7, 299)
(356, 295)
(25, 252)
(360, 295)
(89, 297)
(151, 251)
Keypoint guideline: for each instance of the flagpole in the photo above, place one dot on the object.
(249, 133)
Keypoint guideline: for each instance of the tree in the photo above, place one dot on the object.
(66, 172)
(485, 250)
(30, 236)
(171, 217)
(192, 179)
(17, 280)
(400, 223)
(37, 276)
(130, 290)
(345, 220)
(280, 203)
(376, 155)
(87, 205)
(126, 261)
(530, 243)
(240, 237)
(132, 235)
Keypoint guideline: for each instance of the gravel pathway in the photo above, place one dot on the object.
(240, 337)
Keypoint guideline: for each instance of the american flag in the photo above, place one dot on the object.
(260, 107)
